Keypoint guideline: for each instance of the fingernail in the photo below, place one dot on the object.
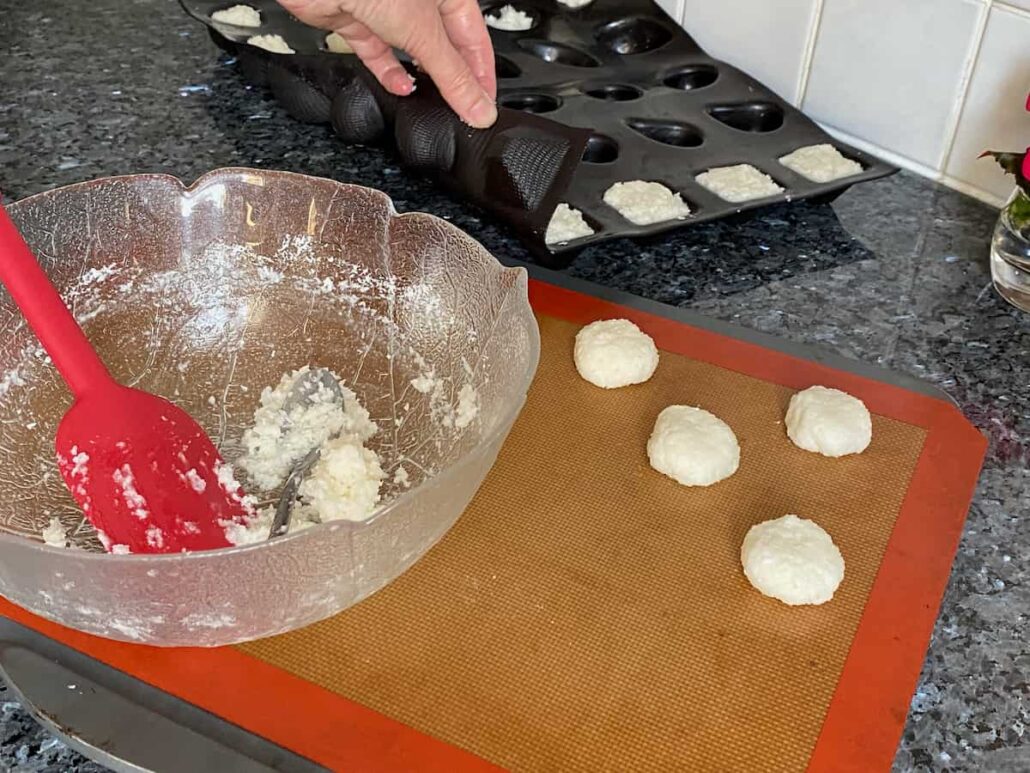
(483, 113)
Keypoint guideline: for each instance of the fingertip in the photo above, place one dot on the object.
(482, 114)
(398, 81)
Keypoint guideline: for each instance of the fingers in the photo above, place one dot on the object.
(378, 58)
(324, 14)
(465, 27)
(451, 73)
(448, 38)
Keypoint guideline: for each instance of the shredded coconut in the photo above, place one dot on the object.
(137, 504)
(337, 44)
(510, 19)
(644, 203)
(400, 476)
(344, 483)
(238, 15)
(196, 482)
(274, 43)
(821, 163)
(279, 439)
(739, 183)
(54, 534)
(155, 537)
(468, 406)
(566, 224)
(424, 383)
(80, 462)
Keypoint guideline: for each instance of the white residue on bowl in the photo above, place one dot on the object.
(370, 296)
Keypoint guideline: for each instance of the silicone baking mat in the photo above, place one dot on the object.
(587, 613)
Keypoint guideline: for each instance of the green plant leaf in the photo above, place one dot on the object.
(1018, 212)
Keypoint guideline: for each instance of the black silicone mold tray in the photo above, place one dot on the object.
(656, 106)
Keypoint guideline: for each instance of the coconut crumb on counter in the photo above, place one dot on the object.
(239, 16)
(644, 203)
(738, 183)
(566, 224)
(821, 163)
(510, 19)
(274, 43)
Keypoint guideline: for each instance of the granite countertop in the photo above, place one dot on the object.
(894, 272)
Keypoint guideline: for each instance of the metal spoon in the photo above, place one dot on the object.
(301, 394)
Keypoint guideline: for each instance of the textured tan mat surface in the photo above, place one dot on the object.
(588, 614)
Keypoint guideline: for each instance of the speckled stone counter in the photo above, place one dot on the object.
(894, 272)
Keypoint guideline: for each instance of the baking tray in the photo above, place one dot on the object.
(657, 106)
(517, 642)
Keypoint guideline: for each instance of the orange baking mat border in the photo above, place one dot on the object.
(869, 706)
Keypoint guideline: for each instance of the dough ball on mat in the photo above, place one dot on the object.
(692, 446)
(793, 560)
(828, 422)
(614, 353)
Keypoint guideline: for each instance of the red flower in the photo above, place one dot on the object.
(1026, 156)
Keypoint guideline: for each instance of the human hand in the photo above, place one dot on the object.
(448, 38)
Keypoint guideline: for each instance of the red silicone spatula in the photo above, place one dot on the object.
(145, 473)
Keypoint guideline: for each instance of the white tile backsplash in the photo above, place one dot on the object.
(1018, 4)
(993, 116)
(767, 40)
(927, 84)
(892, 72)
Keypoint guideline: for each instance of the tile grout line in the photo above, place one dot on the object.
(1013, 9)
(806, 62)
(911, 165)
(955, 117)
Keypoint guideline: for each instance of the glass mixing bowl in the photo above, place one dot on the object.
(207, 294)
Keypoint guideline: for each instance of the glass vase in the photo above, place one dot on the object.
(1010, 251)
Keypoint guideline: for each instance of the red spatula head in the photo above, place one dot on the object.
(146, 475)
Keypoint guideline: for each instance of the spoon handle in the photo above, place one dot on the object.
(288, 496)
(47, 314)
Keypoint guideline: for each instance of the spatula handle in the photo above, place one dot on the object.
(47, 314)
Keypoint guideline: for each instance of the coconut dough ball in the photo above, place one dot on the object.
(793, 560)
(829, 422)
(692, 446)
(613, 353)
